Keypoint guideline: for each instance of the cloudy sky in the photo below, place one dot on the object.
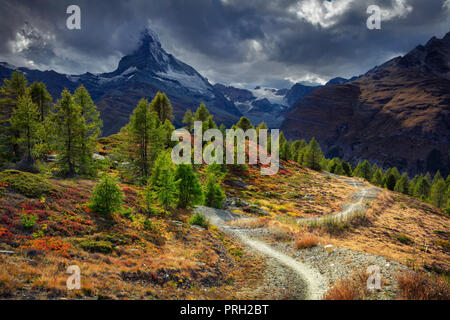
(244, 43)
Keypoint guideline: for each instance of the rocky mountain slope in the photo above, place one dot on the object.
(397, 114)
(147, 70)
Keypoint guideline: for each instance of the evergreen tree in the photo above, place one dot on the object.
(209, 124)
(438, 193)
(437, 177)
(363, 170)
(422, 189)
(188, 119)
(402, 184)
(163, 180)
(41, 97)
(145, 139)
(214, 194)
(189, 189)
(165, 131)
(162, 107)
(68, 123)
(106, 197)
(313, 155)
(10, 92)
(25, 121)
(244, 124)
(89, 129)
(395, 172)
(377, 178)
(390, 182)
(202, 114)
(338, 169)
(347, 168)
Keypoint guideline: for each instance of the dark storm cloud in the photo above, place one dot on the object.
(233, 41)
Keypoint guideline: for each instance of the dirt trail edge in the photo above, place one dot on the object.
(314, 282)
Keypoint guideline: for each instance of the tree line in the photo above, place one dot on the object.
(32, 127)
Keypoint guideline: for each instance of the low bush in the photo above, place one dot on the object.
(96, 246)
(28, 184)
(199, 220)
(404, 239)
(28, 220)
(306, 240)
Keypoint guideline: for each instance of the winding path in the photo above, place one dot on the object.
(315, 283)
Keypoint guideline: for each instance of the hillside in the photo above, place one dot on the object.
(397, 114)
(162, 256)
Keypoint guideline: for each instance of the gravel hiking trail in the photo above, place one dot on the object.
(301, 275)
(357, 205)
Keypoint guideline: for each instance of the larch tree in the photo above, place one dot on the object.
(10, 92)
(189, 188)
(89, 129)
(313, 155)
(68, 123)
(41, 97)
(25, 121)
(144, 140)
(188, 120)
(162, 107)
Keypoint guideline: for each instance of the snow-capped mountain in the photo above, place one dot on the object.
(144, 72)
(265, 104)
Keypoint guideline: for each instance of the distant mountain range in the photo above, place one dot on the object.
(147, 70)
(397, 114)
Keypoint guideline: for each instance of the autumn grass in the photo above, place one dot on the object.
(350, 288)
(422, 286)
(306, 240)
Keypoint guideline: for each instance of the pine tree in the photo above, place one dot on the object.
(377, 178)
(25, 121)
(438, 193)
(41, 97)
(145, 140)
(363, 170)
(106, 197)
(10, 92)
(89, 130)
(347, 168)
(402, 184)
(244, 124)
(209, 124)
(422, 189)
(163, 180)
(165, 131)
(189, 189)
(188, 119)
(390, 182)
(313, 155)
(437, 177)
(68, 123)
(338, 169)
(202, 114)
(162, 107)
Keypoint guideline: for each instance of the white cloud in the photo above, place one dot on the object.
(323, 13)
(400, 9)
(446, 5)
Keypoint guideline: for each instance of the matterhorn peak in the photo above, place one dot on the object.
(149, 36)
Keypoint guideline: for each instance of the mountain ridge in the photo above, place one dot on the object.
(397, 114)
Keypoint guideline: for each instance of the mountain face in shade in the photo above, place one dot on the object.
(397, 114)
(265, 104)
(142, 74)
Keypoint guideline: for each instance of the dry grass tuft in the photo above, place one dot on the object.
(351, 288)
(306, 240)
(422, 286)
